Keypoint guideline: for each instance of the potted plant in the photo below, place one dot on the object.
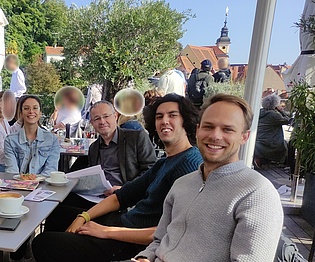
(302, 98)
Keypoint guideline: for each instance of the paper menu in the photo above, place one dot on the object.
(39, 195)
(92, 182)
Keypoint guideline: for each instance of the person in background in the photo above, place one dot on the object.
(199, 82)
(225, 211)
(94, 94)
(115, 236)
(67, 109)
(17, 85)
(10, 107)
(6, 129)
(129, 122)
(270, 144)
(171, 82)
(32, 149)
(150, 96)
(224, 73)
(182, 75)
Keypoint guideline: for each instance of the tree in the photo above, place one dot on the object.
(115, 41)
(55, 12)
(26, 24)
(32, 25)
(42, 78)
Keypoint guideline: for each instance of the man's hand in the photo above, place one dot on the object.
(76, 224)
(93, 229)
(141, 260)
(111, 191)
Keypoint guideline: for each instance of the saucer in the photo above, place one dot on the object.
(23, 211)
(48, 180)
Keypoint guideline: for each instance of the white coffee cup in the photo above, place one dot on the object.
(58, 177)
(10, 202)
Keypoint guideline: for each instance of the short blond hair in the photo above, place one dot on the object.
(240, 102)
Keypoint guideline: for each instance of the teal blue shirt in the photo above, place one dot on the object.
(147, 192)
(38, 157)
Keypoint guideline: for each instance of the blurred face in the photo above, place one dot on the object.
(11, 65)
(30, 111)
(103, 119)
(221, 133)
(169, 123)
(223, 63)
(8, 105)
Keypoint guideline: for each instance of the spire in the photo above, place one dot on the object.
(224, 38)
(223, 42)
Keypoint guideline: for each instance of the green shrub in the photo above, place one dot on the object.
(236, 89)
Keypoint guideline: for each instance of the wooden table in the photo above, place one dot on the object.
(61, 192)
(11, 241)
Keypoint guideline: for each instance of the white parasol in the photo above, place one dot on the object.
(3, 23)
(304, 65)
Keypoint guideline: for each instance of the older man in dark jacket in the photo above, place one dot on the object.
(135, 154)
(123, 155)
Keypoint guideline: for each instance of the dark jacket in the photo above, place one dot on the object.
(135, 151)
(270, 142)
(222, 76)
(201, 75)
(192, 86)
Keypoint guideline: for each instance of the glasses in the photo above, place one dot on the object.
(99, 118)
(27, 108)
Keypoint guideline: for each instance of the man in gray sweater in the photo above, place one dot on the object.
(225, 211)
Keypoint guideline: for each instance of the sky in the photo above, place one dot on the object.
(210, 15)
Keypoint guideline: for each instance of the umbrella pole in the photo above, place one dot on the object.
(264, 16)
(295, 178)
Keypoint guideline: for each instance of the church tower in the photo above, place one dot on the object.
(223, 42)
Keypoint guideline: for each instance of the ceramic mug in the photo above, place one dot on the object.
(58, 177)
(10, 202)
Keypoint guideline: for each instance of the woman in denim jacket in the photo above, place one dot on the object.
(32, 149)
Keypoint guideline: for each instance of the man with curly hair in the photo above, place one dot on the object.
(115, 235)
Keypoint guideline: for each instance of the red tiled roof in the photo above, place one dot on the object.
(51, 50)
(218, 52)
(204, 52)
(213, 53)
(186, 65)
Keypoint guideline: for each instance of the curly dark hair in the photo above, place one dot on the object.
(187, 110)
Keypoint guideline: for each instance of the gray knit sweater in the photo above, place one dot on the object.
(235, 216)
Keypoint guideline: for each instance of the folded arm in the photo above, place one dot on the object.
(142, 236)
(109, 204)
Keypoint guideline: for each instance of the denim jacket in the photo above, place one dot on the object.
(41, 156)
